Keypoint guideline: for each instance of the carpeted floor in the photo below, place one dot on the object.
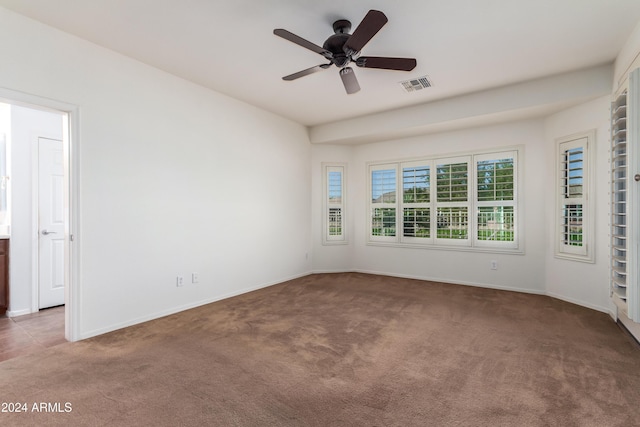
(342, 350)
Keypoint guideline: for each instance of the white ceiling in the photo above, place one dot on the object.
(462, 45)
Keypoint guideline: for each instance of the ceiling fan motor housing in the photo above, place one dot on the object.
(335, 43)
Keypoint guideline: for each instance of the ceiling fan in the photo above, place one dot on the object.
(343, 48)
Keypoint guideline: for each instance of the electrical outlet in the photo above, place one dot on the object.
(494, 265)
(179, 281)
(195, 277)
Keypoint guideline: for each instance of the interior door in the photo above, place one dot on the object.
(51, 222)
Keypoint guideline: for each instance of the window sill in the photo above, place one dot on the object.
(457, 248)
(334, 242)
(579, 258)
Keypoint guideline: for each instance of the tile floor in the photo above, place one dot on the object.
(31, 333)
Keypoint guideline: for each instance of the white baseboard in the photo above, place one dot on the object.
(173, 310)
(16, 313)
(456, 282)
(632, 327)
(481, 285)
(582, 303)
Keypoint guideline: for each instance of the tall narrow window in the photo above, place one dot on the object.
(383, 202)
(574, 223)
(334, 204)
(452, 204)
(495, 198)
(416, 198)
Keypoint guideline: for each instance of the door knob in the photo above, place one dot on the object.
(45, 232)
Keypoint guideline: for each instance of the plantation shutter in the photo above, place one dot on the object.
(416, 198)
(334, 219)
(383, 202)
(572, 182)
(495, 198)
(452, 201)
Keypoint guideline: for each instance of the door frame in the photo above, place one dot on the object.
(70, 144)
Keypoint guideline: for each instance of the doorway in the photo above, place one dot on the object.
(41, 253)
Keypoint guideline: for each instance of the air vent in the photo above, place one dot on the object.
(417, 84)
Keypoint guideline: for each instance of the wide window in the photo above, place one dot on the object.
(574, 210)
(464, 201)
(334, 204)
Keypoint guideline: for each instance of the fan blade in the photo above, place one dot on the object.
(373, 21)
(306, 72)
(302, 42)
(349, 80)
(402, 64)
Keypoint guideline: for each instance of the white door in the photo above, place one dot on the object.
(51, 223)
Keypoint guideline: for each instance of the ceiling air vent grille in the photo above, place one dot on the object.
(417, 84)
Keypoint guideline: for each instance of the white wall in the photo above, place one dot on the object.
(537, 270)
(628, 59)
(583, 283)
(26, 126)
(173, 179)
(521, 272)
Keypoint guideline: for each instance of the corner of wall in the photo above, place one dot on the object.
(628, 58)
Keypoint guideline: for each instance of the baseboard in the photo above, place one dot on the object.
(195, 304)
(481, 285)
(174, 310)
(455, 282)
(332, 271)
(582, 303)
(632, 327)
(16, 313)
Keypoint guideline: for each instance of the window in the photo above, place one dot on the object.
(334, 204)
(383, 202)
(452, 201)
(496, 195)
(416, 198)
(573, 219)
(465, 201)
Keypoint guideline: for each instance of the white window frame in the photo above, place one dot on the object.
(328, 204)
(383, 204)
(513, 154)
(453, 204)
(585, 252)
(417, 205)
(471, 243)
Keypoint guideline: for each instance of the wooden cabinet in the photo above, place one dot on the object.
(4, 275)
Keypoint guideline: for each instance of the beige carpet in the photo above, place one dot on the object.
(342, 350)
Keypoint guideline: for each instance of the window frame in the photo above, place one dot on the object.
(457, 160)
(328, 204)
(416, 205)
(382, 204)
(471, 242)
(513, 154)
(585, 252)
